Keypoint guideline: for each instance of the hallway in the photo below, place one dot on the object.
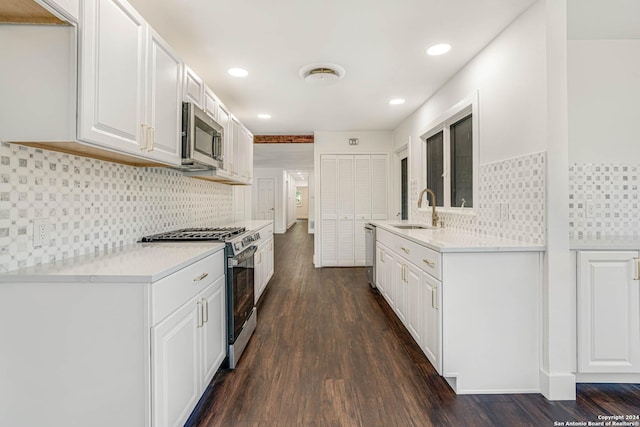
(329, 352)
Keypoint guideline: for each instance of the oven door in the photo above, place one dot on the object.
(240, 288)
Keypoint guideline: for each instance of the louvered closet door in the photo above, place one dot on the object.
(379, 185)
(345, 211)
(362, 184)
(329, 210)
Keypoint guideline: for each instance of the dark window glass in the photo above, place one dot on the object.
(461, 163)
(435, 166)
(404, 190)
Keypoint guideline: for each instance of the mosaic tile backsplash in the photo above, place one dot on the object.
(511, 202)
(604, 200)
(93, 205)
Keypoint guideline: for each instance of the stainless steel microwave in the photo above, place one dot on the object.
(202, 140)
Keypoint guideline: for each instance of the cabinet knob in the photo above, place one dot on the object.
(429, 262)
(637, 260)
(406, 251)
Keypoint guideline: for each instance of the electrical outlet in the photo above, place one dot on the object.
(589, 209)
(40, 232)
(504, 211)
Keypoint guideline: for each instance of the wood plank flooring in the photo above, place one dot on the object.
(330, 352)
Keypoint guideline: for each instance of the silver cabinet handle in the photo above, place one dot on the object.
(637, 260)
(199, 304)
(429, 262)
(406, 251)
(205, 310)
(200, 277)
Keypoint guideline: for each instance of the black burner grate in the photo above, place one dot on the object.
(190, 234)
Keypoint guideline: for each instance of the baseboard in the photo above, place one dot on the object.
(616, 378)
(558, 386)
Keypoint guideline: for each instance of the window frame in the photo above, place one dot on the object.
(443, 122)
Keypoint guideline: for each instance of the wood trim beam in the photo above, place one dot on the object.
(282, 139)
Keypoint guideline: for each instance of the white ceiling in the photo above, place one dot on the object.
(601, 20)
(380, 43)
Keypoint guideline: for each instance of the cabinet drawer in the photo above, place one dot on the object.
(171, 292)
(426, 259)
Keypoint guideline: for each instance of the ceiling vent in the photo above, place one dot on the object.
(322, 74)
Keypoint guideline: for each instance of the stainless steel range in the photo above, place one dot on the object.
(240, 246)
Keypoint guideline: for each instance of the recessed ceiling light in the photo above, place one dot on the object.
(438, 49)
(264, 116)
(396, 101)
(238, 72)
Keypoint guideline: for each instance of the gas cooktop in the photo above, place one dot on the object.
(221, 234)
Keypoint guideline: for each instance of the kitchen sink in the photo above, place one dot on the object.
(411, 226)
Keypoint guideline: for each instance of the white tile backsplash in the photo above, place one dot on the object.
(93, 205)
(515, 187)
(604, 200)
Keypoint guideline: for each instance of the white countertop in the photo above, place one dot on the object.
(139, 262)
(448, 240)
(606, 243)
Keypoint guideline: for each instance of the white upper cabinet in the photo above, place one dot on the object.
(164, 100)
(111, 81)
(210, 103)
(193, 87)
(129, 84)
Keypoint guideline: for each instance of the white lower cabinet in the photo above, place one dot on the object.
(114, 353)
(188, 347)
(263, 262)
(475, 315)
(608, 313)
(432, 320)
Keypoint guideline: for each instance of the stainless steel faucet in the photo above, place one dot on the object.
(434, 215)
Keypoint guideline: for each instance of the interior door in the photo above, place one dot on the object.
(266, 198)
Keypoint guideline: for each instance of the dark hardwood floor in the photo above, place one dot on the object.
(329, 352)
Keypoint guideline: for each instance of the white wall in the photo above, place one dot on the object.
(604, 89)
(510, 76)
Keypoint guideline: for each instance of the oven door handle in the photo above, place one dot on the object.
(242, 256)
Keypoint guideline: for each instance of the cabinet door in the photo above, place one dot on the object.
(390, 273)
(379, 186)
(214, 327)
(432, 329)
(223, 119)
(608, 312)
(269, 261)
(193, 87)
(163, 100)
(210, 104)
(346, 226)
(380, 267)
(111, 86)
(258, 273)
(237, 168)
(400, 288)
(415, 302)
(329, 210)
(176, 366)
